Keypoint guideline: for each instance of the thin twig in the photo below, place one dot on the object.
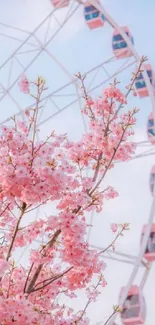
(114, 312)
(28, 277)
(87, 304)
(109, 163)
(4, 209)
(112, 158)
(113, 242)
(52, 280)
(85, 95)
(15, 231)
(143, 59)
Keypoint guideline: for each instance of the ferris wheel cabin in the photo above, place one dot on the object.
(60, 3)
(93, 17)
(134, 308)
(152, 181)
(151, 128)
(140, 84)
(150, 248)
(119, 45)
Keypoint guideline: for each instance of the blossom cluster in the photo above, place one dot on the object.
(33, 173)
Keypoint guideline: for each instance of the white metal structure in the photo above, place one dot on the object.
(152, 212)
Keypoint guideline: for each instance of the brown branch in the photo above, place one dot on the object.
(4, 209)
(40, 266)
(52, 280)
(28, 277)
(113, 242)
(87, 304)
(34, 279)
(53, 240)
(40, 88)
(100, 155)
(9, 284)
(42, 144)
(44, 281)
(15, 231)
(109, 163)
(85, 93)
(109, 121)
(97, 167)
(37, 206)
(143, 59)
(114, 312)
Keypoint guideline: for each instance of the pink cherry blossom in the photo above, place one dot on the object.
(4, 265)
(24, 84)
(114, 227)
(92, 294)
(52, 171)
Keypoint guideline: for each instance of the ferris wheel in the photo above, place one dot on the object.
(43, 50)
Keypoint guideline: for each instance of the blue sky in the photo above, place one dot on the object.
(76, 47)
(80, 49)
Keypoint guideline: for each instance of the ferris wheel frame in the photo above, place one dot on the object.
(152, 211)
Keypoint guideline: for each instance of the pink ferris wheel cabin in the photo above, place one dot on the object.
(152, 181)
(140, 84)
(150, 248)
(151, 128)
(119, 45)
(134, 308)
(93, 17)
(60, 3)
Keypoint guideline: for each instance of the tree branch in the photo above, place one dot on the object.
(124, 227)
(39, 268)
(50, 281)
(114, 312)
(109, 163)
(16, 230)
(87, 304)
(143, 59)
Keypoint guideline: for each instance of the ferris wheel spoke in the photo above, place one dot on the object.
(143, 143)
(39, 52)
(48, 27)
(70, 9)
(56, 92)
(97, 70)
(145, 276)
(75, 101)
(12, 99)
(119, 256)
(145, 154)
(26, 40)
(27, 51)
(120, 260)
(80, 107)
(16, 39)
(42, 100)
(112, 76)
(10, 72)
(16, 28)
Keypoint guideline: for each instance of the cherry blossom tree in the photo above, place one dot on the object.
(33, 173)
